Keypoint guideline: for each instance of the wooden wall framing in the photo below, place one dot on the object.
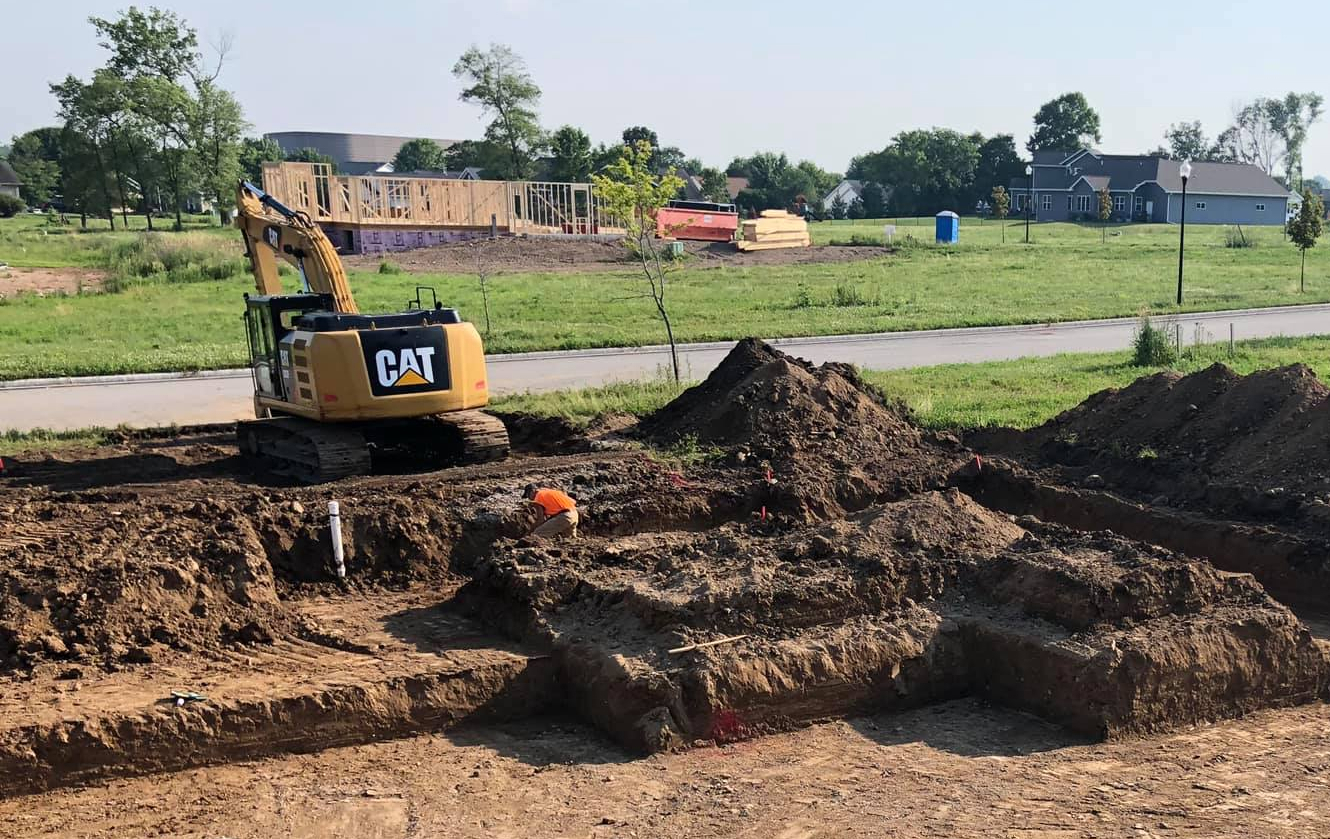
(527, 207)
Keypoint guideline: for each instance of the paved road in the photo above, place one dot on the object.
(225, 395)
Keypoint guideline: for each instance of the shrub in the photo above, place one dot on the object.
(849, 295)
(1152, 346)
(11, 206)
(386, 267)
(860, 239)
(1235, 238)
(173, 258)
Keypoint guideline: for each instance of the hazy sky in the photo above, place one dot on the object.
(822, 81)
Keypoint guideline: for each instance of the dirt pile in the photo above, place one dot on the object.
(910, 602)
(1249, 446)
(832, 442)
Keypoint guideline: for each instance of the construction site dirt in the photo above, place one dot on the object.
(779, 547)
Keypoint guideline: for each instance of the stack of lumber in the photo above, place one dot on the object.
(774, 229)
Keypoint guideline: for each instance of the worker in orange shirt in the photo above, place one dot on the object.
(560, 511)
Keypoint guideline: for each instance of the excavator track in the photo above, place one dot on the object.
(314, 452)
(307, 451)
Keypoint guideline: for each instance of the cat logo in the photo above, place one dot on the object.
(405, 367)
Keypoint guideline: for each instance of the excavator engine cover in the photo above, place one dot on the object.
(399, 361)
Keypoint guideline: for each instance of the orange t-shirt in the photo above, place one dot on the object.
(554, 502)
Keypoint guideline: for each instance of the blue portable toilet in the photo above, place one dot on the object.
(948, 228)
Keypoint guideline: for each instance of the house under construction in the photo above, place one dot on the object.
(372, 213)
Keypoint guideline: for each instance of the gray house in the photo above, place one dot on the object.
(9, 180)
(1146, 188)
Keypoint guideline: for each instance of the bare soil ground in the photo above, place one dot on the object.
(48, 280)
(780, 545)
(529, 254)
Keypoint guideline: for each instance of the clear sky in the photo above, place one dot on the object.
(822, 81)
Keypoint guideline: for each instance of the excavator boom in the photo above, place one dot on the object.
(272, 230)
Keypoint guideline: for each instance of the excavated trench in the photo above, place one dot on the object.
(825, 557)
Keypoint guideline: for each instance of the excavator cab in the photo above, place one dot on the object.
(268, 319)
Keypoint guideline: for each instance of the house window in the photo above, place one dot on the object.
(1260, 207)
(1139, 203)
(1069, 203)
(1082, 203)
(1119, 203)
(1048, 201)
(1200, 205)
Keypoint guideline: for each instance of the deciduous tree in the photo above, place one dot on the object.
(633, 194)
(1187, 141)
(570, 153)
(1306, 227)
(497, 80)
(1001, 203)
(1067, 122)
(420, 155)
(1105, 210)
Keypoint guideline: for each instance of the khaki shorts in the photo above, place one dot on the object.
(565, 522)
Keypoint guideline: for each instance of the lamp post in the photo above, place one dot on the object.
(1185, 172)
(1029, 200)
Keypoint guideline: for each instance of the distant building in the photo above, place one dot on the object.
(1147, 188)
(735, 185)
(9, 180)
(847, 192)
(354, 154)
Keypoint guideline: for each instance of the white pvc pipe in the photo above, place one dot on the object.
(335, 528)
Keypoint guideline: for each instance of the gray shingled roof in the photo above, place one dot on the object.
(8, 176)
(1122, 173)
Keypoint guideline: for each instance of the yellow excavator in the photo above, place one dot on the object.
(336, 391)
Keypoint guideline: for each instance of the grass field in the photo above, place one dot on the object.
(177, 316)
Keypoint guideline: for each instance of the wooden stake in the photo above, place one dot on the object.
(691, 647)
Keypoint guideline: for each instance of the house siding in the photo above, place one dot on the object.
(1227, 209)
(9, 189)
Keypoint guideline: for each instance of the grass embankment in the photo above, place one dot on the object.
(1022, 393)
(180, 318)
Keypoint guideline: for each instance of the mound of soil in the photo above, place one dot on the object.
(833, 443)
(1253, 445)
(916, 600)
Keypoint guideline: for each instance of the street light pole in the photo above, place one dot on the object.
(1029, 200)
(1185, 172)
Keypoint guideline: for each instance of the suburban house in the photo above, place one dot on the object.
(847, 192)
(9, 180)
(1146, 188)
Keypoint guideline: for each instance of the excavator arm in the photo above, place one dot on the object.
(272, 230)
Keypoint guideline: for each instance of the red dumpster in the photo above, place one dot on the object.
(700, 221)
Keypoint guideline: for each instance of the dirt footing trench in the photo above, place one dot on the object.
(780, 544)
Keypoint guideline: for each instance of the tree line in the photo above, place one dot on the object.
(148, 131)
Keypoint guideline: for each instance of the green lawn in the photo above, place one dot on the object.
(169, 315)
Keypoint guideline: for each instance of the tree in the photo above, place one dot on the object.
(638, 133)
(839, 208)
(216, 124)
(1251, 139)
(1306, 227)
(856, 209)
(35, 156)
(998, 163)
(927, 170)
(715, 187)
(1105, 210)
(1067, 122)
(570, 152)
(479, 154)
(1001, 203)
(875, 204)
(1186, 141)
(1290, 118)
(154, 42)
(422, 155)
(87, 134)
(497, 80)
(309, 154)
(253, 153)
(633, 194)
